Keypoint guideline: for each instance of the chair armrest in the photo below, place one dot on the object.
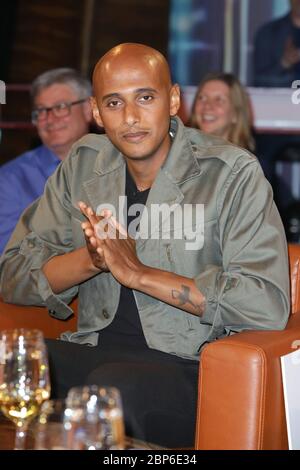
(19, 316)
(240, 399)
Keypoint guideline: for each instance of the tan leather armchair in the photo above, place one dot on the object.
(240, 401)
(19, 316)
(240, 404)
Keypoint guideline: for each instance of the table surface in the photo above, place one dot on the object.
(7, 437)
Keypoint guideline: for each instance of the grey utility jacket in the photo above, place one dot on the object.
(240, 265)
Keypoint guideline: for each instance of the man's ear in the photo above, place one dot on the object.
(95, 111)
(174, 99)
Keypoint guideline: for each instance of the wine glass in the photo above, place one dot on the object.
(97, 417)
(24, 378)
(53, 427)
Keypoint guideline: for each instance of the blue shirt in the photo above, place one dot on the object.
(22, 180)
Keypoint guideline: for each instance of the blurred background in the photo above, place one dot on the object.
(40, 35)
(197, 36)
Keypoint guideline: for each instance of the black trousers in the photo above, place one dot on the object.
(158, 390)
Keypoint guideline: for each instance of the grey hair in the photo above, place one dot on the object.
(67, 76)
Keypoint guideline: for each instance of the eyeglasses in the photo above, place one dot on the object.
(59, 110)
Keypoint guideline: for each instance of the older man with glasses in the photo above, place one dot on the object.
(61, 114)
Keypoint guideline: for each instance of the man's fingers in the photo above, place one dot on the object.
(92, 216)
(93, 242)
(89, 232)
(82, 206)
(100, 251)
(106, 213)
(89, 213)
(103, 225)
(85, 209)
(86, 226)
(119, 227)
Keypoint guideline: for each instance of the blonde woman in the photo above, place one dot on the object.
(221, 107)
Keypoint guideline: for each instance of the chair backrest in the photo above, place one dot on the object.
(294, 257)
(240, 398)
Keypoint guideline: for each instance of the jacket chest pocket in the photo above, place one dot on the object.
(186, 252)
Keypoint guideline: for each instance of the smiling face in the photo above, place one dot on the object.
(60, 133)
(134, 100)
(213, 110)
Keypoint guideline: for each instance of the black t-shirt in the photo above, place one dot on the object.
(127, 324)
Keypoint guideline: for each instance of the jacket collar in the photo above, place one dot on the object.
(108, 181)
(109, 159)
(180, 164)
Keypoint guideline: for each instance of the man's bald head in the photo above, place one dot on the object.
(134, 100)
(135, 55)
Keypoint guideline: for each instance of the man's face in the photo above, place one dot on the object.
(133, 103)
(59, 133)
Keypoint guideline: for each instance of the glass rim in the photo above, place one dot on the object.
(93, 388)
(26, 333)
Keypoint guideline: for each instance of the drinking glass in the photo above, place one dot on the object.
(97, 417)
(24, 378)
(53, 428)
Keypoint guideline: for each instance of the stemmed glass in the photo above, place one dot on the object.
(97, 417)
(53, 427)
(24, 378)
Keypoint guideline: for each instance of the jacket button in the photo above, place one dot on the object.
(52, 312)
(105, 313)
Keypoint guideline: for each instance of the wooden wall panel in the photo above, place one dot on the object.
(117, 21)
(49, 34)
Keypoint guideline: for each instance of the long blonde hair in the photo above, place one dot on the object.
(240, 133)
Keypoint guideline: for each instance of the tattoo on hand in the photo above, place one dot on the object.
(184, 297)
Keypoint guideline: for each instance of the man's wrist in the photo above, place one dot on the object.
(143, 278)
(90, 268)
